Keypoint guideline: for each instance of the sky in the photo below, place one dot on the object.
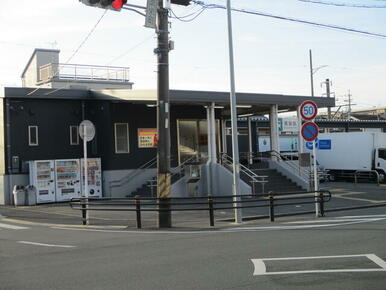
(271, 55)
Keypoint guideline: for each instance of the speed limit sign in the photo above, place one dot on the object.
(308, 110)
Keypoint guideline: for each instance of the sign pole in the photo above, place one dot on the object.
(315, 179)
(85, 170)
(87, 133)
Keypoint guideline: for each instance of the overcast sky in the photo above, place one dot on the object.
(271, 56)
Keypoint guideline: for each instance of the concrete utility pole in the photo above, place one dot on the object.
(349, 105)
(163, 120)
(328, 93)
(235, 143)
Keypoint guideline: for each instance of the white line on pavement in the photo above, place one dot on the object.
(260, 267)
(12, 227)
(45, 245)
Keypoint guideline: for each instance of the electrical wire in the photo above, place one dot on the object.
(342, 4)
(75, 52)
(291, 19)
(194, 14)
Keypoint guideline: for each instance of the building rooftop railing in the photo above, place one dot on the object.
(80, 72)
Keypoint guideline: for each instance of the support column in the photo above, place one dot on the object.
(209, 161)
(224, 136)
(273, 119)
(212, 147)
(250, 148)
(300, 138)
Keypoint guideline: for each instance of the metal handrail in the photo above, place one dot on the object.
(271, 201)
(303, 173)
(368, 171)
(58, 71)
(126, 179)
(255, 178)
(151, 183)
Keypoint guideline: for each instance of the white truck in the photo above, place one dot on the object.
(347, 154)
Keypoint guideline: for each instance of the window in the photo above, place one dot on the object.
(33, 137)
(121, 131)
(74, 135)
(382, 153)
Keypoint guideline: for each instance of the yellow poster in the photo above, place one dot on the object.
(147, 138)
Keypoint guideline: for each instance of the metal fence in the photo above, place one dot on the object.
(210, 204)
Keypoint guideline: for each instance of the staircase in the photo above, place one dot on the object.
(277, 181)
(149, 188)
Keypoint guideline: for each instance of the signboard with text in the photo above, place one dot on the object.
(147, 138)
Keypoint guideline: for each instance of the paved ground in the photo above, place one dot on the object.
(45, 247)
(343, 195)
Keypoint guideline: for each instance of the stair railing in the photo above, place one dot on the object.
(293, 166)
(126, 179)
(176, 171)
(254, 178)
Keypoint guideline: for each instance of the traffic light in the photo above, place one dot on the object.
(106, 4)
(181, 2)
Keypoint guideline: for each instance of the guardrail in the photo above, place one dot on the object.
(358, 173)
(209, 204)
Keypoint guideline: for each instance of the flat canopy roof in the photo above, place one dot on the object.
(254, 103)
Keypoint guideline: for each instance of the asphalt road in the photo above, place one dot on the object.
(352, 245)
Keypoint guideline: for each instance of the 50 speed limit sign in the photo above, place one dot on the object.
(308, 110)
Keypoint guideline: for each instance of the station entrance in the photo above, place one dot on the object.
(193, 138)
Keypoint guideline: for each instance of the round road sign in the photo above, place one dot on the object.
(87, 130)
(310, 131)
(308, 110)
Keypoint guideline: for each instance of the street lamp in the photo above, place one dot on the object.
(314, 71)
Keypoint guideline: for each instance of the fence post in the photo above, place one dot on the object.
(271, 207)
(321, 203)
(84, 212)
(138, 210)
(211, 211)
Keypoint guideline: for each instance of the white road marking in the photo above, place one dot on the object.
(260, 268)
(336, 223)
(333, 221)
(363, 216)
(45, 245)
(12, 227)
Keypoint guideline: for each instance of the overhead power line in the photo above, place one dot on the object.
(342, 4)
(75, 52)
(253, 12)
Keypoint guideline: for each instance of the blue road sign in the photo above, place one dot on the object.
(321, 144)
(310, 131)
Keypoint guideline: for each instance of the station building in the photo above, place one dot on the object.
(40, 122)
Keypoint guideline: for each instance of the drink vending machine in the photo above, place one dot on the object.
(67, 173)
(94, 172)
(42, 176)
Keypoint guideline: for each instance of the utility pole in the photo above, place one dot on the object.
(235, 142)
(163, 120)
(328, 93)
(349, 105)
(311, 74)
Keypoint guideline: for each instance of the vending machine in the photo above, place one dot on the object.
(94, 172)
(67, 173)
(42, 176)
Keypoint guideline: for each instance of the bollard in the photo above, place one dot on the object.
(84, 212)
(211, 211)
(321, 203)
(138, 210)
(271, 208)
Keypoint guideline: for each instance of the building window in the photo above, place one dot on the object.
(121, 131)
(33, 137)
(74, 135)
